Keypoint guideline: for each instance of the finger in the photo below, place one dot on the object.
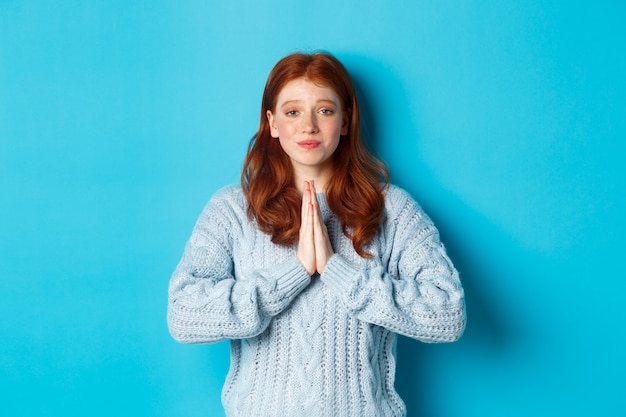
(306, 245)
(305, 201)
(306, 225)
(319, 228)
(311, 189)
(317, 212)
(313, 194)
(323, 247)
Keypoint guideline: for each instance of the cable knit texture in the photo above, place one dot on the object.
(321, 345)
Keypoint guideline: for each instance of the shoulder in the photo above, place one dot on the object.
(227, 201)
(225, 214)
(397, 199)
(230, 194)
(395, 194)
(400, 205)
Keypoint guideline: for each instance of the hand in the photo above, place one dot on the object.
(314, 247)
(306, 243)
(323, 247)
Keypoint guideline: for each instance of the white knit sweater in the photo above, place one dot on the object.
(321, 345)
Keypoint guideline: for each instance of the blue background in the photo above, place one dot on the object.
(119, 119)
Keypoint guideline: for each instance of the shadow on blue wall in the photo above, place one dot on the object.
(489, 332)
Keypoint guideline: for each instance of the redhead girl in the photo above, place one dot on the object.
(313, 264)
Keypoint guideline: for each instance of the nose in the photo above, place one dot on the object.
(310, 123)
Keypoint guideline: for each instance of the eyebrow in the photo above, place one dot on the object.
(322, 100)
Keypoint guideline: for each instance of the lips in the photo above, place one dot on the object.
(309, 144)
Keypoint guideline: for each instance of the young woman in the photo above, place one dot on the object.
(313, 264)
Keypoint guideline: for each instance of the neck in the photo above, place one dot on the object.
(320, 177)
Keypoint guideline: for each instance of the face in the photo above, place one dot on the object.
(308, 121)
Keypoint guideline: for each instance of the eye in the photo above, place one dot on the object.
(291, 112)
(327, 112)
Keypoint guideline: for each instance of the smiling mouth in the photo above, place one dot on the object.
(309, 144)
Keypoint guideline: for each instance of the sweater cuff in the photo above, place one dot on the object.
(291, 279)
(341, 276)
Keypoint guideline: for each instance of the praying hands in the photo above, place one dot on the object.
(314, 247)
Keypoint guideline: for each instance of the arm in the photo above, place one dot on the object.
(209, 301)
(411, 287)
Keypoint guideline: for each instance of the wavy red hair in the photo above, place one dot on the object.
(355, 192)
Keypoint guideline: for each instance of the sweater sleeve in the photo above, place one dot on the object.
(412, 288)
(210, 299)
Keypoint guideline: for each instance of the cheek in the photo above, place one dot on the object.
(284, 127)
(334, 127)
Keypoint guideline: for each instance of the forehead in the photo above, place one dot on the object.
(302, 89)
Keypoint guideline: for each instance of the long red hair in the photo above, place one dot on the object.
(355, 191)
